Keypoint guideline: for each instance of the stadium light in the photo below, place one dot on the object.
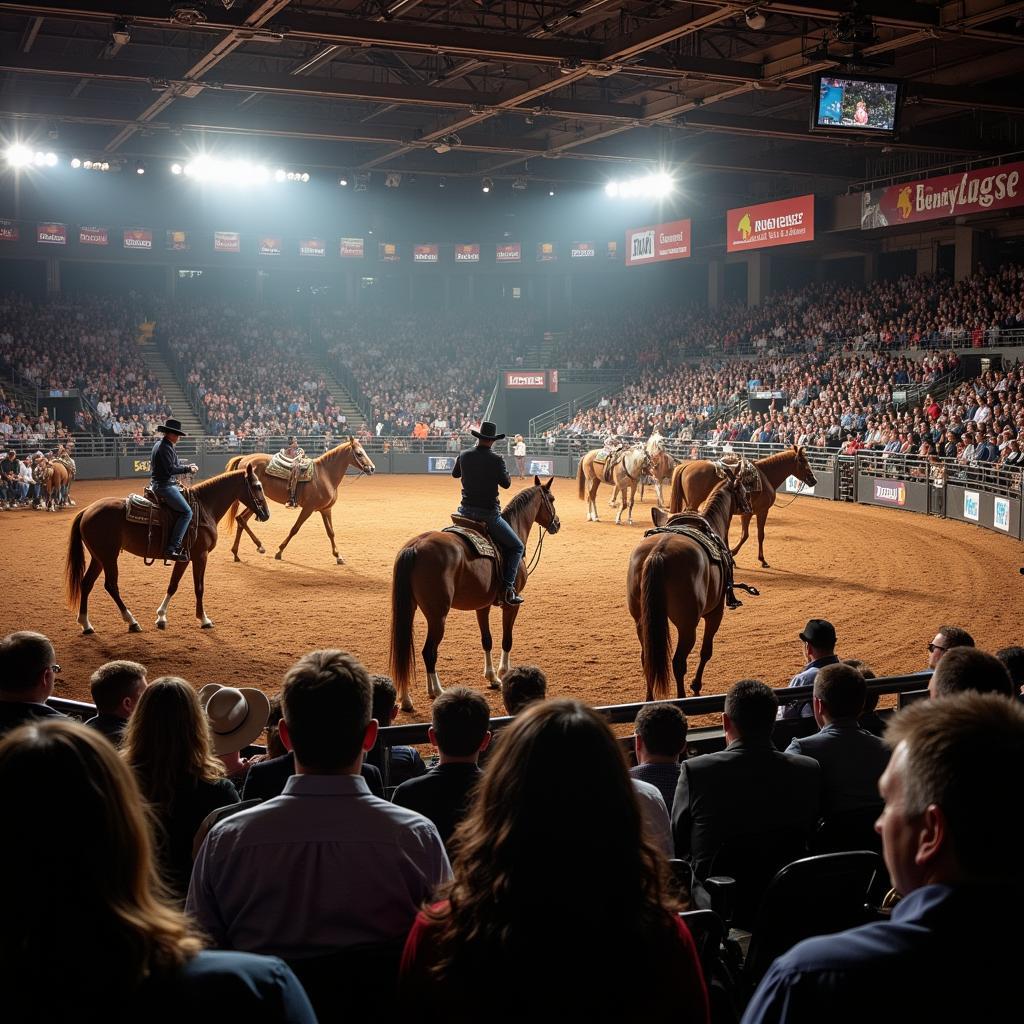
(18, 155)
(176, 168)
(75, 162)
(652, 186)
(228, 172)
(486, 185)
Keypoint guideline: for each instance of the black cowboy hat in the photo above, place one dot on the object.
(172, 426)
(488, 432)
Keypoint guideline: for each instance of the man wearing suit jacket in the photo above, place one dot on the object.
(851, 759)
(267, 779)
(748, 788)
(28, 671)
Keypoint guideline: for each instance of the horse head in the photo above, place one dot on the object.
(254, 499)
(803, 471)
(547, 517)
(655, 445)
(740, 497)
(362, 461)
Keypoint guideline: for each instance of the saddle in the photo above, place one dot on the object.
(748, 473)
(479, 544)
(69, 464)
(610, 461)
(281, 466)
(158, 517)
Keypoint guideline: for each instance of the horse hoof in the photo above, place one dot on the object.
(237, 559)
(340, 560)
(88, 632)
(134, 628)
(765, 565)
(160, 624)
(407, 705)
(261, 551)
(207, 625)
(278, 556)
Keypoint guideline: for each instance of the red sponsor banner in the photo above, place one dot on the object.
(312, 247)
(352, 248)
(138, 238)
(177, 241)
(389, 252)
(424, 252)
(784, 222)
(527, 379)
(546, 252)
(227, 241)
(582, 251)
(52, 234)
(508, 252)
(469, 253)
(656, 243)
(269, 245)
(93, 236)
(951, 195)
(9, 231)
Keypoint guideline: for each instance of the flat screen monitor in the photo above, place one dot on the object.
(847, 103)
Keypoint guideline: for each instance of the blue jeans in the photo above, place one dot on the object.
(503, 535)
(176, 500)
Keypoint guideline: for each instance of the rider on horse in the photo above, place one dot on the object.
(164, 467)
(482, 472)
(297, 458)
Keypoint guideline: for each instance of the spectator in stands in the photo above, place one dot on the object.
(746, 789)
(461, 732)
(555, 881)
(945, 638)
(236, 718)
(327, 865)
(167, 744)
(869, 718)
(28, 671)
(1013, 661)
(819, 640)
(116, 688)
(967, 668)
(275, 748)
(521, 686)
(852, 760)
(10, 480)
(109, 947)
(951, 838)
(403, 762)
(660, 742)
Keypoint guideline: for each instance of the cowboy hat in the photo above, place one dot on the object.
(172, 426)
(236, 716)
(488, 432)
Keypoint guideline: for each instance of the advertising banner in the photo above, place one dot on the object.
(891, 492)
(93, 236)
(658, 242)
(529, 379)
(542, 467)
(612, 251)
(950, 195)
(972, 506)
(227, 241)
(795, 486)
(177, 241)
(423, 252)
(389, 252)
(8, 231)
(269, 245)
(351, 249)
(1001, 514)
(467, 253)
(441, 463)
(784, 222)
(545, 252)
(312, 247)
(138, 238)
(582, 251)
(508, 252)
(52, 234)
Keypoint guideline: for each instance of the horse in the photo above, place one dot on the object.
(692, 482)
(103, 529)
(634, 464)
(662, 467)
(672, 577)
(53, 477)
(316, 495)
(435, 573)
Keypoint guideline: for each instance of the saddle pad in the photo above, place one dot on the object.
(281, 466)
(750, 477)
(711, 543)
(477, 542)
(138, 509)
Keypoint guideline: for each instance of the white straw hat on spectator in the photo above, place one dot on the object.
(236, 717)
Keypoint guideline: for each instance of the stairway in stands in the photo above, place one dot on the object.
(159, 368)
(341, 398)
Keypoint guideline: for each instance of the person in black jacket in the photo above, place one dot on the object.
(482, 472)
(27, 675)
(164, 467)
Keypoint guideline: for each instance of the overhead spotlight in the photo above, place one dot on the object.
(18, 155)
(280, 175)
(304, 176)
(176, 168)
(343, 181)
(551, 190)
(45, 159)
(652, 186)
(104, 166)
(611, 190)
(120, 34)
(519, 184)
(140, 167)
(75, 162)
(486, 185)
(755, 19)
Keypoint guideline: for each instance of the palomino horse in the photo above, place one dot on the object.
(435, 573)
(672, 577)
(316, 495)
(693, 481)
(103, 529)
(634, 464)
(53, 478)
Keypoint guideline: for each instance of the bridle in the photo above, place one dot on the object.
(554, 521)
(261, 509)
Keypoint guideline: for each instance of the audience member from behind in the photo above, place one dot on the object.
(967, 668)
(167, 744)
(460, 731)
(326, 865)
(116, 688)
(275, 748)
(869, 718)
(660, 742)
(28, 670)
(1013, 661)
(556, 882)
(819, 640)
(951, 838)
(402, 762)
(521, 686)
(946, 638)
(109, 949)
(237, 717)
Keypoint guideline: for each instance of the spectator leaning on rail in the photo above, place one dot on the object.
(951, 840)
(28, 670)
(967, 668)
(116, 688)
(819, 640)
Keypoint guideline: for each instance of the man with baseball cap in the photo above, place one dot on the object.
(819, 640)
(164, 467)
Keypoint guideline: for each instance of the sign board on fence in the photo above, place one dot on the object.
(794, 486)
(891, 492)
(1001, 514)
(141, 465)
(441, 463)
(972, 506)
(542, 467)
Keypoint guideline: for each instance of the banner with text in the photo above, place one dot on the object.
(582, 251)
(389, 252)
(227, 241)
(9, 231)
(312, 247)
(539, 379)
(423, 252)
(93, 236)
(467, 253)
(52, 234)
(351, 249)
(658, 242)
(177, 241)
(508, 252)
(784, 222)
(138, 238)
(545, 252)
(951, 195)
(269, 245)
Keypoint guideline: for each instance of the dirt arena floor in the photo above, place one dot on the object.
(885, 578)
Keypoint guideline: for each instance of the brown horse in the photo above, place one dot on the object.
(316, 495)
(662, 468)
(672, 577)
(634, 464)
(53, 478)
(102, 528)
(435, 573)
(693, 481)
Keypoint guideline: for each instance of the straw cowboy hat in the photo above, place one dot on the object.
(236, 717)
(488, 432)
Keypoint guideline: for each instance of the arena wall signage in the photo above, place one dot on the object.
(656, 243)
(177, 241)
(785, 222)
(138, 238)
(1001, 514)
(425, 253)
(545, 252)
(9, 231)
(440, 463)
(950, 195)
(312, 247)
(582, 251)
(467, 253)
(612, 251)
(352, 249)
(52, 234)
(795, 486)
(227, 241)
(542, 467)
(508, 252)
(93, 236)
(389, 252)
(891, 492)
(269, 245)
(972, 506)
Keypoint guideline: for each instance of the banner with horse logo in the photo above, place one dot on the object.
(785, 222)
(138, 238)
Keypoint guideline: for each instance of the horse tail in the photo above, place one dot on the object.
(581, 480)
(74, 569)
(403, 607)
(654, 625)
(676, 498)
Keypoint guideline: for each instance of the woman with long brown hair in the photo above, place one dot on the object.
(167, 744)
(557, 889)
(88, 934)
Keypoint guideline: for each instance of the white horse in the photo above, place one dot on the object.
(633, 465)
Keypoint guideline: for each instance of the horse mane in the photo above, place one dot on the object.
(205, 485)
(720, 495)
(776, 458)
(519, 502)
(334, 451)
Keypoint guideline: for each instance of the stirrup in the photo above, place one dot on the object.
(511, 598)
(175, 555)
